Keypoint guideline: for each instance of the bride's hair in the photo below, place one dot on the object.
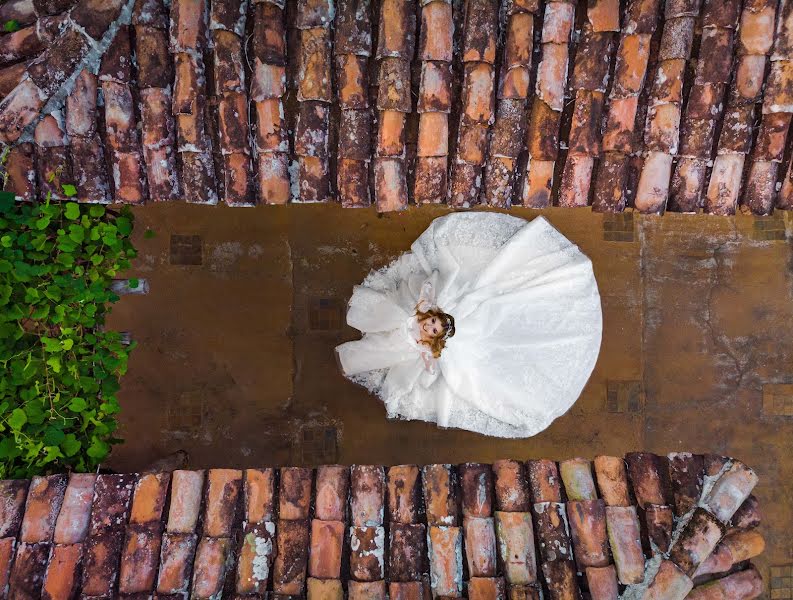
(437, 343)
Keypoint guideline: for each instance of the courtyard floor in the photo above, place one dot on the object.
(234, 362)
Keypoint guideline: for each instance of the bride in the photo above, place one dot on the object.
(490, 323)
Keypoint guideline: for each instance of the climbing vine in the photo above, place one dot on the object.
(59, 368)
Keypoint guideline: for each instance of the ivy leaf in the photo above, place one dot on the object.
(67, 344)
(70, 445)
(7, 201)
(69, 191)
(72, 211)
(53, 436)
(96, 210)
(98, 449)
(55, 363)
(11, 26)
(77, 405)
(17, 419)
(42, 223)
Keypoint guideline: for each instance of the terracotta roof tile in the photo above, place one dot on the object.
(783, 42)
(760, 190)
(20, 171)
(730, 491)
(515, 532)
(743, 584)
(439, 498)
(237, 182)
(176, 562)
(52, 158)
(101, 560)
(435, 37)
(486, 588)
(397, 33)
(622, 524)
(27, 572)
(406, 551)
(209, 569)
(430, 183)
(273, 178)
(779, 88)
(11, 76)
(333, 482)
(519, 38)
(697, 540)
(122, 134)
(355, 127)
(653, 189)
(89, 170)
(558, 22)
(403, 493)
(603, 583)
(480, 546)
(538, 184)
(129, 179)
(186, 492)
(367, 495)
(435, 90)
(222, 492)
(659, 521)
(327, 540)
(592, 60)
(189, 80)
(669, 582)
(677, 37)
(561, 579)
(188, 25)
(229, 73)
(313, 173)
(642, 16)
(140, 559)
(12, 508)
(295, 493)
(716, 45)
(668, 83)
(410, 590)
(44, 499)
(129, 556)
(75, 512)
(631, 65)
(62, 578)
(256, 556)
(433, 137)
(756, 33)
(552, 74)
(269, 34)
(353, 27)
(228, 15)
(542, 134)
(19, 109)
(150, 12)
(367, 553)
(508, 132)
(618, 130)
(514, 84)
(7, 547)
(366, 590)
(314, 78)
(662, 130)
(96, 16)
(604, 15)
(748, 515)
(394, 85)
(81, 106)
(478, 98)
(609, 193)
(270, 133)
(352, 80)
(682, 8)
(576, 180)
(21, 44)
(291, 560)
(233, 123)
(576, 475)
(112, 496)
(21, 11)
(117, 61)
(327, 589)
(480, 31)
(445, 555)
(390, 134)
(544, 481)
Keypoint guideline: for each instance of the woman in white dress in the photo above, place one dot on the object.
(490, 323)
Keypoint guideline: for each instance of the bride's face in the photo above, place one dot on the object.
(430, 328)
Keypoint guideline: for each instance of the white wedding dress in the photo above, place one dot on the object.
(528, 326)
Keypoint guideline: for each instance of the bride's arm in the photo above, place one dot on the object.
(429, 363)
(426, 297)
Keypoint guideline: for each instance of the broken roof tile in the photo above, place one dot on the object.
(96, 16)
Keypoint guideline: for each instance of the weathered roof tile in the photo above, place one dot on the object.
(75, 513)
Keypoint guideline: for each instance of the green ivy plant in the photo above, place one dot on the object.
(59, 368)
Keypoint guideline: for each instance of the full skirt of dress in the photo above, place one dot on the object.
(528, 326)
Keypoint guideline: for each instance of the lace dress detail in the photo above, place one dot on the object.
(528, 326)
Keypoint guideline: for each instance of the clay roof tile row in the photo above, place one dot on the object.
(627, 124)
